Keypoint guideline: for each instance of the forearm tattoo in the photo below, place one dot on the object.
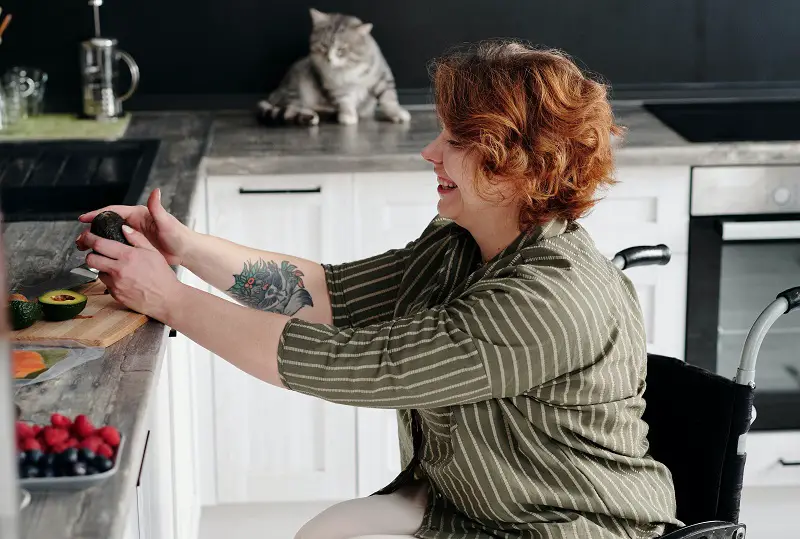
(266, 286)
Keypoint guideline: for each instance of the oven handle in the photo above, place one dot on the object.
(760, 230)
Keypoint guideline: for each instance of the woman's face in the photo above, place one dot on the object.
(455, 170)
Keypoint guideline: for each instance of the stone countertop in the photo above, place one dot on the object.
(117, 388)
(240, 146)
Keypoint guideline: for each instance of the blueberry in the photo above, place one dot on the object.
(49, 460)
(22, 458)
(102, 463)
(33, 456)
(68, 457)
(29, 471)
(78, 469)
(91, 470)
(48, 472)
(85, 455)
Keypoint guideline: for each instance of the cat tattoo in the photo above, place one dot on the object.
(268, 287)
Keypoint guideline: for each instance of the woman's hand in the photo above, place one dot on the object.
(162, 230)
(139, 277)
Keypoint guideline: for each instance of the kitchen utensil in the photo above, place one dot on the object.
(103, 322)
(12, 101)
(4, 25)
(99, 59)
(70, 280)
(30, 82)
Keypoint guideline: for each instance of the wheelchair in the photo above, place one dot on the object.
(702, 439)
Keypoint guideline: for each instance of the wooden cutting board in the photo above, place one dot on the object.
(103, 322)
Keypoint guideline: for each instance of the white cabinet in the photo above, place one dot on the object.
(258, 443)
(271, 444)
(391, 209)
(650, 205)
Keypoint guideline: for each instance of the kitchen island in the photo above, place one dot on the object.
(118, 389)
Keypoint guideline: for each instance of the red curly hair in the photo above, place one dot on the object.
(535, 122)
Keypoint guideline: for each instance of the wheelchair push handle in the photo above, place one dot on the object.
(785, 302)
(642, 255)
(792, 297)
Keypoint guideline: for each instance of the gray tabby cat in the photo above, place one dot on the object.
(344, 75)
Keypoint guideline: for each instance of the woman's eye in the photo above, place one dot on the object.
(452, 142)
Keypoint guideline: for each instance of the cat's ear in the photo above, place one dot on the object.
(318, 17)
(365, 28)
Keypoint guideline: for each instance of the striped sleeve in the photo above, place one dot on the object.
(489, 344)
(365, 291)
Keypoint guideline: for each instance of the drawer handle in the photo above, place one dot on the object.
(144, 455)
(789, 462)
(243, 191)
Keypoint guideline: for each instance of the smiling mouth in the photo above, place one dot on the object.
(445, 185)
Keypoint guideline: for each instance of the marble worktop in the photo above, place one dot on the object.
(240, 146)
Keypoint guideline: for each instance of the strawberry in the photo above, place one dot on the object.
(24, 431)
(105, 451)
(37, 429)
(82, 427)
(53, 436)
(60, 421)
(58, 448)
(92, 443)
(31, 443)
(72, 442)
(110, 435)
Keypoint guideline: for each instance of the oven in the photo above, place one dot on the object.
(744, 248)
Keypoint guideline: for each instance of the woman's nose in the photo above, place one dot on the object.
(433, 151)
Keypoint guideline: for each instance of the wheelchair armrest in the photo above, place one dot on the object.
(715, 529)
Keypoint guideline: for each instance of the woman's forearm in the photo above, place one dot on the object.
(246, 338)
(262, 280)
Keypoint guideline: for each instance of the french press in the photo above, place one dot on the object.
(100, 57)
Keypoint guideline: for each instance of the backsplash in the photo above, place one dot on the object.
(227, 54)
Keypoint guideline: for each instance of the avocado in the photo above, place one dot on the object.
(23, 313)
(60, 305)
(108, 224)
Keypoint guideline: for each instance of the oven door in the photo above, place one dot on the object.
(737, 266)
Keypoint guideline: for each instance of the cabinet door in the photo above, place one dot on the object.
(649, 205)
(662, 296)
(273, 444)
(378, 449)
(392, 209)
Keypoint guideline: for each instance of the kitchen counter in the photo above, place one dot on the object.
(117, 388)
(240, 146)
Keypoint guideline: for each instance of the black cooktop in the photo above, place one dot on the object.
(60, 180)
(731, 121)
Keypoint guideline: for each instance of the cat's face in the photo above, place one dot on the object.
(339, 41)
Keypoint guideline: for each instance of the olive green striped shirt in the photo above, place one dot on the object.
(527, 373)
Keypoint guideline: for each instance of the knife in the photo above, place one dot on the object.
(74, 278)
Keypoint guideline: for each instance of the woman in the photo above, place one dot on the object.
(513, 350)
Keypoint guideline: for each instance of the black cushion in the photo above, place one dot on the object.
(695, 418)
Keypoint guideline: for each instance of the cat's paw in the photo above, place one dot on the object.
(308, 118)
(398, 115)
(347, 117)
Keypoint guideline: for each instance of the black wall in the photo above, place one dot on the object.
(224, 53)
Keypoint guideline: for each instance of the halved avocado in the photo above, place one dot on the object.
(60, 305)
(23, 313)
